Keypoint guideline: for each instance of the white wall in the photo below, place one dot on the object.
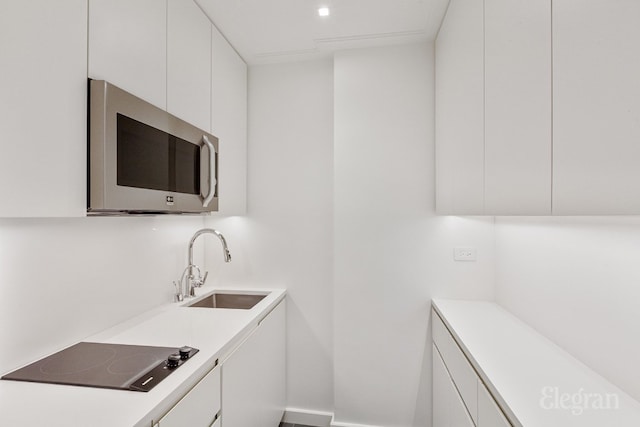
(286, 238)
(577, 281)
(62, 280)
(392, 254)
(359, 295)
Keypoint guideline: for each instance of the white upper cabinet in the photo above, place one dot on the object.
(596, 103)
(554, 126)
(128, 46)
(493, 108)
(517, 150)
(170, 54)
(189, 63)
(459, 110)
(229, 124)
(43, 108)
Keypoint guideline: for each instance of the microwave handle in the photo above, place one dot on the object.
(212, 172)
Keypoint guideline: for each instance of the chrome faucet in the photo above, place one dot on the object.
(191, 281)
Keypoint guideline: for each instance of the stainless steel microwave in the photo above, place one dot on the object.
(143, 160)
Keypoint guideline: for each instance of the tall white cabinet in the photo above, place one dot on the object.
(43, 108)
(596, 106)
(229, 123)
(189, 63)
(538, 116)
(517, 87)
(493, 108)
(460, 110)
(128, 46)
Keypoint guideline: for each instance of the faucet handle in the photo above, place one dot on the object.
(204, 279)
(178, 295)
(199, 282)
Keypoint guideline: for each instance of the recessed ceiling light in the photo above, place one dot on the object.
(323, 11)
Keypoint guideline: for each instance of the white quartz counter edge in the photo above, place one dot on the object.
(535, 382)
(215, 332)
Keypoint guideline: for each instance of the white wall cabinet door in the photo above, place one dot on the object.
(493, 108)
(460, 110)
(253, 376)
(43, 108)
(199, 407)
(229, 124)
(517, 149)
(189, 63)
(448, 408)
(128, 46)
(596, 107)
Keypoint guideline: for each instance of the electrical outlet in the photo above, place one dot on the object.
(464, 254)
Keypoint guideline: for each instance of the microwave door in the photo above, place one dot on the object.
(208, 172)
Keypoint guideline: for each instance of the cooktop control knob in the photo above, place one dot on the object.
(173, 360)
(185, 352)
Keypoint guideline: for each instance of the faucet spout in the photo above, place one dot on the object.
(191, 281)
(225, 248)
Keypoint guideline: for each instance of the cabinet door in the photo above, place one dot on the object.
(448, 408)
(253, 376)
(517, 107)
(43, 108)
(199, 407)
(229, 124)
(596, 107)
(189, 63)
(128, 46)
(489, 413)
(460, 110)
(458, 367)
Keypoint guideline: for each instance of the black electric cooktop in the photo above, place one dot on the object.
(116, 366)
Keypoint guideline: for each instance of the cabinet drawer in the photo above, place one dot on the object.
(460, 370)
(489, 413)
(199, 407)
(448, 407)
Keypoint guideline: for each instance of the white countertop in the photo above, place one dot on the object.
(529, 375)
(213, 331)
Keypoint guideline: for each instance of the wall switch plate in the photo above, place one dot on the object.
(464, 254)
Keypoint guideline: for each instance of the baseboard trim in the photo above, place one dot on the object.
(315, 418)
(307, 417)
(336, 424)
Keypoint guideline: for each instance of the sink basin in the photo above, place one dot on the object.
(222, 300)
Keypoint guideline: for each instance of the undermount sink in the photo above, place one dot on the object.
(223, 300)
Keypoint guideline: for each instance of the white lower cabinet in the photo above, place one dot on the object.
(198, 408)
(247, 389)
(489, 413)
(461, 372)
(460, 398)
(253, 376)
(448, 408)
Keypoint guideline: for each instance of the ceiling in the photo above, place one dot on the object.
(264, 31)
